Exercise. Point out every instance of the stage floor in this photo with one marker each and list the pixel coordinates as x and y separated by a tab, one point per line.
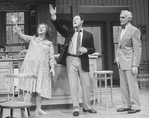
102	111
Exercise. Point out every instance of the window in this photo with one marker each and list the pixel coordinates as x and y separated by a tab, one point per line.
60	41
96	31
12	41
116	31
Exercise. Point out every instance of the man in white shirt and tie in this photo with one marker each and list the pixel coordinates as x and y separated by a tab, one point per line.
74	55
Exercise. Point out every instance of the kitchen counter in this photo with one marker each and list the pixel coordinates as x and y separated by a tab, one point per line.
94	56
60	83
9	52
11	60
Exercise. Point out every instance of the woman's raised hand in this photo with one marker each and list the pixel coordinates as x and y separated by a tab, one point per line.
14	19
16	28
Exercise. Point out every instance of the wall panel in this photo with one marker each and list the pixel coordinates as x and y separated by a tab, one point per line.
108	2
142	13
82	2
146	12
69	2
147	25
100	2
117	2
65	2
96	2
134	12
125	2
91	2
104	2
87	2
121	2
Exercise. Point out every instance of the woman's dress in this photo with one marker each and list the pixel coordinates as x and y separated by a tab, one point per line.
38	61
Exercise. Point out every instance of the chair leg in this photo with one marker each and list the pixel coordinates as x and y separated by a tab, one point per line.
111	91
1	113
22	112
11	113
95	84
100	91
106	91
28	111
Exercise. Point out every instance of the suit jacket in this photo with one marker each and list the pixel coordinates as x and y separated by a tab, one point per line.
129	49
87	42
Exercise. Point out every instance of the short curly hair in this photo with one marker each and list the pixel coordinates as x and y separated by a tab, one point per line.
48	31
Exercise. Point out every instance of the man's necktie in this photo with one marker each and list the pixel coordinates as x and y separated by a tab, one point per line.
78	42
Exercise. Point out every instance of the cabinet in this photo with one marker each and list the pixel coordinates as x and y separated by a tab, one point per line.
5	68
143	74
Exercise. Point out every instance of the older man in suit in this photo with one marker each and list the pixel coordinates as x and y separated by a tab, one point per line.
78	44
128	58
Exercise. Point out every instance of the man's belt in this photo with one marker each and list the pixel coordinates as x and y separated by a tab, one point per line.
73	55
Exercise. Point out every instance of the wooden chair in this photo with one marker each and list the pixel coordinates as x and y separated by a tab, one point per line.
15	96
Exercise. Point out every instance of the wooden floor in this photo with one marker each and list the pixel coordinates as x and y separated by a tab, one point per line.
102	111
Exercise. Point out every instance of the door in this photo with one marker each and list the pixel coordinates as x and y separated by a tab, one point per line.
97	29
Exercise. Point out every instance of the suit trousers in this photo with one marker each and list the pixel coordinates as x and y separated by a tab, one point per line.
129	89
76	75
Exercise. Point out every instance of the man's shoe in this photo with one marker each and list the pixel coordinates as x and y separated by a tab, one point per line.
123	109
90	111
76	113
134	111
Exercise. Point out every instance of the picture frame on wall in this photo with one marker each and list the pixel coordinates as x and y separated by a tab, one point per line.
143	32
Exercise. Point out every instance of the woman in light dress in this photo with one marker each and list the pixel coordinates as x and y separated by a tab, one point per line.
39	61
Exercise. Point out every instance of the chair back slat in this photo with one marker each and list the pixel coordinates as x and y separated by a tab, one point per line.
18	93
